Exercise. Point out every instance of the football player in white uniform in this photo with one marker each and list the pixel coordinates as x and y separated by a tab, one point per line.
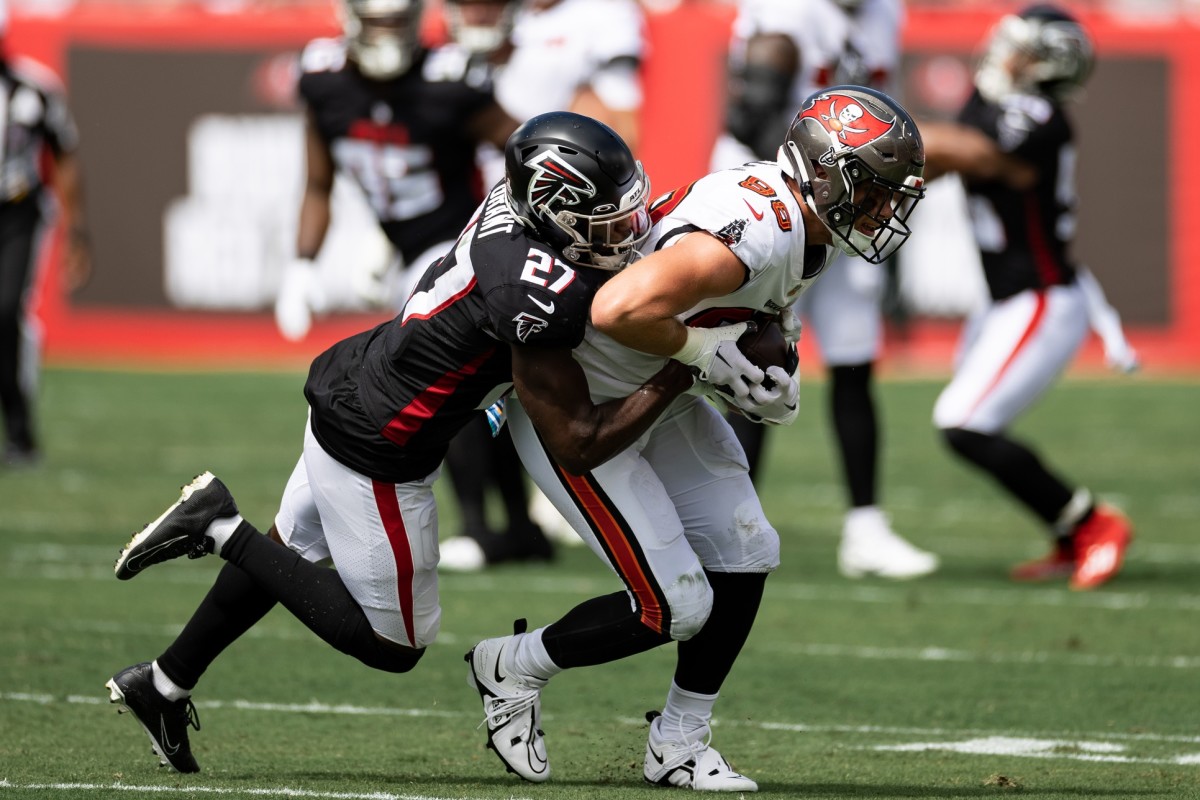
676	516
784	50
1014	147
546	55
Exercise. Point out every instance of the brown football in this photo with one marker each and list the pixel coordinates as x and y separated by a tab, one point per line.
766	346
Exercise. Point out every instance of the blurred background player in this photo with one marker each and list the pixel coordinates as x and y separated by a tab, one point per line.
34	119
1014	147
404	122
783	51
547	55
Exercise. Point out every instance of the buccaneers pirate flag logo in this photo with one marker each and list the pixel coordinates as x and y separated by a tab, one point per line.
846	120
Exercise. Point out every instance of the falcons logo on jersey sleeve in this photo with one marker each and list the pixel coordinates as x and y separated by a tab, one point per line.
555	183
528	325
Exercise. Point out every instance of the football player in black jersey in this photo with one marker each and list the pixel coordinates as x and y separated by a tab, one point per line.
404	123
1014	148
502	309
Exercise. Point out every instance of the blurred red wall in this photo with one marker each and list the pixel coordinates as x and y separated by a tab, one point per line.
683	76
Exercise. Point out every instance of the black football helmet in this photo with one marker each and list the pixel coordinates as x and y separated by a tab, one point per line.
1042	50
858	157
574	181
382	35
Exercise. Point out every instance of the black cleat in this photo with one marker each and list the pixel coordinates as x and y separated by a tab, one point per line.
179	531
165	721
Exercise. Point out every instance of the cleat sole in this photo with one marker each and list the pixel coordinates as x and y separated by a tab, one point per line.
199	482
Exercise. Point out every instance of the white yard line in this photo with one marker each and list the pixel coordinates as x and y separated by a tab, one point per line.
190	791
927	653
777	589
943	654
344	709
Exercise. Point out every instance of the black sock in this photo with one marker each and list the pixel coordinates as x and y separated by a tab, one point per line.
232	606
317	597
509	477
706	659
468	464
857	428
1017	469
598	631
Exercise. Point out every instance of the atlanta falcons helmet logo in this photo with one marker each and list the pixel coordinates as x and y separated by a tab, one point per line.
555	183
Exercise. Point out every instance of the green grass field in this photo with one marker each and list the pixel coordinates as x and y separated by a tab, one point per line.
962	685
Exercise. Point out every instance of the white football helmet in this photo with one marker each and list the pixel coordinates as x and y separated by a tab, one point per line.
382	35
480	26
1042	50
860	163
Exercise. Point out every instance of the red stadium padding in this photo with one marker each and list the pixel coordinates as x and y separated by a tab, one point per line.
684	83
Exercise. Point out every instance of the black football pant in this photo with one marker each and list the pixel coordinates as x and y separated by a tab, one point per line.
20	224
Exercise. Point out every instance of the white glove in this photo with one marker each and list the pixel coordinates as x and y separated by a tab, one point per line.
1106	323
779	405
789	323
300	294
714	355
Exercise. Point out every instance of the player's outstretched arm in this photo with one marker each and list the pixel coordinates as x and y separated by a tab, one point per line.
952	147
579	434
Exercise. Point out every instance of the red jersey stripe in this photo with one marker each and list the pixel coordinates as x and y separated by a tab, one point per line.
1035	320
616	541
1049	268
393	524
409	419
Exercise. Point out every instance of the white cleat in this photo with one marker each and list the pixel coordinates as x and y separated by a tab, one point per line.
689	764
869	546
512	708
461	554
546	516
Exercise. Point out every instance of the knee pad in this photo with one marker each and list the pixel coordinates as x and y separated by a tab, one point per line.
691	600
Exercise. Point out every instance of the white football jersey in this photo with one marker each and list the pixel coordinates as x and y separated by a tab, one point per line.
866	44
753	212
567	47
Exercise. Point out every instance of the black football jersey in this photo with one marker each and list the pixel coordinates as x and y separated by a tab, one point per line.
404	141
387	401
1025	236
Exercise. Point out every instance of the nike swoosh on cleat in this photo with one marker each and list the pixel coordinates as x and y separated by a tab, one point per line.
133	563
496	669
657	756
168	748
757	214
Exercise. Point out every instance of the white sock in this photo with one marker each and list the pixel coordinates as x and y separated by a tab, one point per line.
686	713
167	687
1079	504
863	515
219	530
531	660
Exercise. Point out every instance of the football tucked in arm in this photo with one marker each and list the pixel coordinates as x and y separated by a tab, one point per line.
765	346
